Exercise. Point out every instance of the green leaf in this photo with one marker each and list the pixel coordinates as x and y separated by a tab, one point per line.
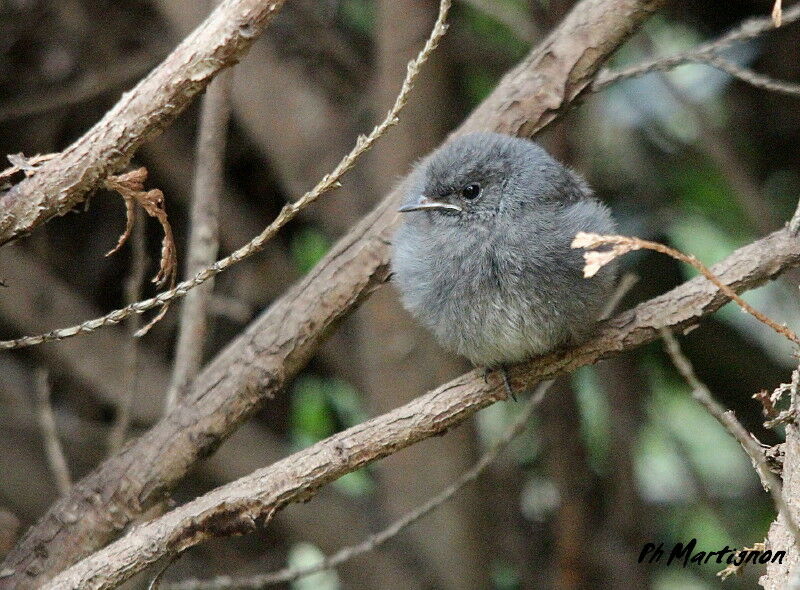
311	417
307	247
358	14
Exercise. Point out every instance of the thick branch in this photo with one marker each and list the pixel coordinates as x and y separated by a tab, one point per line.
233	508
64	181
277	344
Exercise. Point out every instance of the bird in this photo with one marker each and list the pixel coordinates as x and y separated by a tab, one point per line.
483	255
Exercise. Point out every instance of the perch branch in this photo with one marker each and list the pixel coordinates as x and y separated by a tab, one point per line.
233	508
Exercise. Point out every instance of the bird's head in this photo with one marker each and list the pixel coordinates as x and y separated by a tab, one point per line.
476	178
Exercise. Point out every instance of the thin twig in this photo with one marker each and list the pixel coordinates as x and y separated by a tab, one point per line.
134	285
204	236
607	78
287	213
47	425
728	420
624	244
155	583
708	53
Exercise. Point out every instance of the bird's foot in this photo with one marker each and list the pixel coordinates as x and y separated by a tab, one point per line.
504	374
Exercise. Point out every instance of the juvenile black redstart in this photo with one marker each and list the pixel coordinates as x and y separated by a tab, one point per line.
483	256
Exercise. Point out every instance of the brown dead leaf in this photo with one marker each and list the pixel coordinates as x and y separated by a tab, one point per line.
131	187
597	259
777	13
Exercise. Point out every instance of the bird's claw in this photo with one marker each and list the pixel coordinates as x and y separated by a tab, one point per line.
504	374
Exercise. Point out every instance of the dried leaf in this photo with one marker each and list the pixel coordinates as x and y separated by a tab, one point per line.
131	186
130	219
586	240
777	13
595	261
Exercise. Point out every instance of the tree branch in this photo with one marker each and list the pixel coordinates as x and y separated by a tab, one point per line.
64	181
49	430
259	363
369	544
204	236
234	508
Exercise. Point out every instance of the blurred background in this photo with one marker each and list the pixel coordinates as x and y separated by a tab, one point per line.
617	456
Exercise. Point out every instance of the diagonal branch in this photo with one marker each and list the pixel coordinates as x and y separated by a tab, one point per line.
234	508
259	363
64	180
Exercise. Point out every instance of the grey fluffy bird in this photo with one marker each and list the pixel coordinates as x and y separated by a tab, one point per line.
483	256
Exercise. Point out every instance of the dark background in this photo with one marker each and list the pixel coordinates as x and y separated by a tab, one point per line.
619	454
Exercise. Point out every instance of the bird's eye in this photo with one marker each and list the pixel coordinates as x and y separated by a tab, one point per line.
471	191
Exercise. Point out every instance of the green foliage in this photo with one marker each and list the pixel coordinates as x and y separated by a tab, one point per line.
318	407
308	246
504	576
680	579
682	442
493	32
311	417
701	189
477	81
358	14
304	555
595	412
495	420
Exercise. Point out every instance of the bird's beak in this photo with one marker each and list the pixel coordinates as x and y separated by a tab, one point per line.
424	203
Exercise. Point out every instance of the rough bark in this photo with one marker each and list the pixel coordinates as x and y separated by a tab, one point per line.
258	363
342	524
64	181
234	508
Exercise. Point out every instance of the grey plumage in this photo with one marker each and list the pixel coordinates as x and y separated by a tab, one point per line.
493	275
